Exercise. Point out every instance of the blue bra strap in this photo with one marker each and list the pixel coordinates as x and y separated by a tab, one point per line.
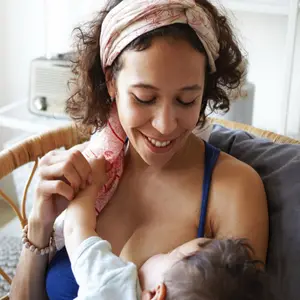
211	157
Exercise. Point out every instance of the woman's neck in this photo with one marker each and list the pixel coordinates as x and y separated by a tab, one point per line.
183	158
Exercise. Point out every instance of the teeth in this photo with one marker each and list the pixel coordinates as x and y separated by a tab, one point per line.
158	143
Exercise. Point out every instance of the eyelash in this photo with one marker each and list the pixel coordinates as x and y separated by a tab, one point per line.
152	100
148	102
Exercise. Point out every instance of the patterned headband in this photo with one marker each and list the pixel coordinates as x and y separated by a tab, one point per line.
133	18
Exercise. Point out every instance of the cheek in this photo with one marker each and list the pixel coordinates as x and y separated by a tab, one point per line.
190	117
130	114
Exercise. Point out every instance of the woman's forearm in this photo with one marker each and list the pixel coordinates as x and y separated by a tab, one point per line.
29	281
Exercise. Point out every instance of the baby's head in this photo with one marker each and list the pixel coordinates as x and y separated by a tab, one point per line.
204	269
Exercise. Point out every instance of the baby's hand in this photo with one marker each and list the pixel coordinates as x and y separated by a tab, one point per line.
87	197
99	176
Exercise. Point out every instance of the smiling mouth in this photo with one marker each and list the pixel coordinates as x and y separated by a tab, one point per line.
158	144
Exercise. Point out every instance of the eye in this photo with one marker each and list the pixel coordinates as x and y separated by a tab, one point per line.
143	101
186	103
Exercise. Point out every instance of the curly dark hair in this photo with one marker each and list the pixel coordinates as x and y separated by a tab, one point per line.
90	103
221	269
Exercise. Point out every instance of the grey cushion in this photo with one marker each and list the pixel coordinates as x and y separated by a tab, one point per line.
279	167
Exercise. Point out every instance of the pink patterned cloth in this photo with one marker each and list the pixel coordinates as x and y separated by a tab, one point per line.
123	24
109	143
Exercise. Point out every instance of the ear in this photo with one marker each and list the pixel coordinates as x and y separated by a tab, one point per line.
160	292
146	295
110	83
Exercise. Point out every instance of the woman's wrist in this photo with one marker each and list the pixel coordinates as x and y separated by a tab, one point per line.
39	233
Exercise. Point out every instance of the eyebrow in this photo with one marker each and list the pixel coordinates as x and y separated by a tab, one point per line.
194	87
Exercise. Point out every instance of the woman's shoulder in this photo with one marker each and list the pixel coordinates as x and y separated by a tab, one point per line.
238	203
236	181
229	169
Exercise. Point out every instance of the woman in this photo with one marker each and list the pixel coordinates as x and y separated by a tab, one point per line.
162	62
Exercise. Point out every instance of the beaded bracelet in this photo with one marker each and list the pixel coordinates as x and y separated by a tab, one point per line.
28	245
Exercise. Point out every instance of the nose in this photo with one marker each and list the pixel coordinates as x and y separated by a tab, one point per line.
165	121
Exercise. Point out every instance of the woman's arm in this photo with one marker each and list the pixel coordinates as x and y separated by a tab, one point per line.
29	282
241	208
61	174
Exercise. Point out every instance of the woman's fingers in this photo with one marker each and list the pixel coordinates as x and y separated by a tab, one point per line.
53	157
72	166
82	167
63	171
47	188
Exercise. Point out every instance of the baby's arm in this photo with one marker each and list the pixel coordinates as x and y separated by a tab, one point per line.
99	273
80	218
102	275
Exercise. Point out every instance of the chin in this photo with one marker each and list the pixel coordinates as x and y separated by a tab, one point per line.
157	162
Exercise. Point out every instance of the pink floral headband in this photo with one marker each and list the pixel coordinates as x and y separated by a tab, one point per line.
133	18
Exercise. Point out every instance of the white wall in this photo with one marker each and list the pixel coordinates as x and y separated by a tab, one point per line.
22	30
62	21
23	37
263	36
2	38
294	112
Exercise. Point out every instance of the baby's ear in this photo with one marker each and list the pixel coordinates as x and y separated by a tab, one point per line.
146	295
159	293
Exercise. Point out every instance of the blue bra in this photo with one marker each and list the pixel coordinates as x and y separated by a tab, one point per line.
60	281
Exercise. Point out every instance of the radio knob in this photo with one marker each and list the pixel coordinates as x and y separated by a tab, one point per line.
40	103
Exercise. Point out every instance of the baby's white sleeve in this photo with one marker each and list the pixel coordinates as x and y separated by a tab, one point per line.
102	275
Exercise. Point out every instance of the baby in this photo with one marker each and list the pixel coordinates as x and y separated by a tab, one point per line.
200	269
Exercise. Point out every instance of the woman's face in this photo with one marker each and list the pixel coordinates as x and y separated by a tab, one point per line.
159	93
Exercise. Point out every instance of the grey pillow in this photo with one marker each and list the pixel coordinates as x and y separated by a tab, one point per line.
279	167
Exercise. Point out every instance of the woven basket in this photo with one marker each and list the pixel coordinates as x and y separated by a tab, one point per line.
31	149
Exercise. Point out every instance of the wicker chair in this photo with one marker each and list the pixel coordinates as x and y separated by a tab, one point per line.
30	150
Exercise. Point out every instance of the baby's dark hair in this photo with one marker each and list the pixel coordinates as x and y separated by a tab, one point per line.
220	270
90	103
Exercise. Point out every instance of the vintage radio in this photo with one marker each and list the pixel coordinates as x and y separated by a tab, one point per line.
49	85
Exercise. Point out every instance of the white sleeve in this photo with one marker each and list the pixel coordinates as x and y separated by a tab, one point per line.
102	275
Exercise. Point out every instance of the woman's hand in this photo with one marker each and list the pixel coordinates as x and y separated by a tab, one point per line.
62	174
87	196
